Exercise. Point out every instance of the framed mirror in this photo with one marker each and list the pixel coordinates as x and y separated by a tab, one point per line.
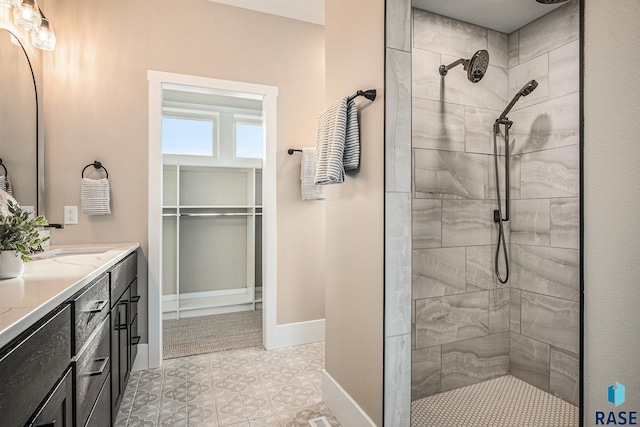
19	131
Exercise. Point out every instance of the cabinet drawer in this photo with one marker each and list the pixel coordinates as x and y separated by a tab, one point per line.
92	368
122	275
32	365
89	310
101	413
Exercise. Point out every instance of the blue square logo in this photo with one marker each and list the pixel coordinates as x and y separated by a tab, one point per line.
616	394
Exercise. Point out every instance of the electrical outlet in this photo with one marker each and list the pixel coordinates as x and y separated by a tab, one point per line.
70	214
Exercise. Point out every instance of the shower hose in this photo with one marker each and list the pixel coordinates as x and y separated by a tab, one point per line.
502	245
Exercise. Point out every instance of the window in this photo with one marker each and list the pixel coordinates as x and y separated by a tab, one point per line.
248	138
187	136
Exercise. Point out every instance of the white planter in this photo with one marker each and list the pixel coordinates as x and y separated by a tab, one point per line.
11	266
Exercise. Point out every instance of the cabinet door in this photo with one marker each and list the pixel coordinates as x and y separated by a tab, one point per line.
119	350
57	410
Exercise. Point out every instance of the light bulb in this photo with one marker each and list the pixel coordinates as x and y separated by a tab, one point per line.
27	15
43	37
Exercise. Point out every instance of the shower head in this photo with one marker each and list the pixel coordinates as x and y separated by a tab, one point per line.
476	67
526	90
551	1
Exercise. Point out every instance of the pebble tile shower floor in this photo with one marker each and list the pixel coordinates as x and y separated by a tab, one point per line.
503	402
250	387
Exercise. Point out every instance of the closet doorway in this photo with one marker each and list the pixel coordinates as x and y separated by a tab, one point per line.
213	215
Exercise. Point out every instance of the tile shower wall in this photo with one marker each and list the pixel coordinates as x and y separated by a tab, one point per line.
466	326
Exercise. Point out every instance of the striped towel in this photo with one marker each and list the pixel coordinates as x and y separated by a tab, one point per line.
337	142
95	196
309	190
5	184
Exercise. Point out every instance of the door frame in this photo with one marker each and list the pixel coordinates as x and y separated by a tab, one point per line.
269	243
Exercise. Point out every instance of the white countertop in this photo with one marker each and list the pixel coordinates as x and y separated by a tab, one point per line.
48	282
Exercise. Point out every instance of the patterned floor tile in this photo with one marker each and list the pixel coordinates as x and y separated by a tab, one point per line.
238	388
502	402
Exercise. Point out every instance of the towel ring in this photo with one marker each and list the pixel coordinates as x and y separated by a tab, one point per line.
4	167
96	164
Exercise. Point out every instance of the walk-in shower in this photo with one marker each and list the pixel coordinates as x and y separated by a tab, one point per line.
497	214
476	67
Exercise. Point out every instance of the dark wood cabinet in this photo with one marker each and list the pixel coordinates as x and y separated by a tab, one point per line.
124	333
57	410
32	365
71	368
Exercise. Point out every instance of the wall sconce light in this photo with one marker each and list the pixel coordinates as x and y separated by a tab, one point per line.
27	15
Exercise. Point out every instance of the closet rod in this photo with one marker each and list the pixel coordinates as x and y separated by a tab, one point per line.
218	214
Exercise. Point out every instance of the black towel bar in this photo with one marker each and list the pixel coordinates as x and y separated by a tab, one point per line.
96	164
369	94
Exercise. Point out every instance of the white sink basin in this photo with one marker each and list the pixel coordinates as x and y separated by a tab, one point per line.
80	250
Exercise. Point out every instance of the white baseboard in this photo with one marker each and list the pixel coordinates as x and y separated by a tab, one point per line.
291	334
141	361
341	405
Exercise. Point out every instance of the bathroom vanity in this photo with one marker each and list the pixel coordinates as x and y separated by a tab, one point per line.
68	336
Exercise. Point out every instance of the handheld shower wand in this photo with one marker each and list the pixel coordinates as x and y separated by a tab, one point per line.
497	214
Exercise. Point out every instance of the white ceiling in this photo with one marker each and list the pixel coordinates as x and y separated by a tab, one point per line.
505	16
302	10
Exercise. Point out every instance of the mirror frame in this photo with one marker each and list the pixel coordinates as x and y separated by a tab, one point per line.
39	172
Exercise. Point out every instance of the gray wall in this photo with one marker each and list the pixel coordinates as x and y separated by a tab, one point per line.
462	314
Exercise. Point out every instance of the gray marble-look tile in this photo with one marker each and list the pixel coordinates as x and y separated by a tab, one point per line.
425	372
529	360
449	175
490	93
498	48
555	29
545	270
564	381
426	81
438	272
479	272
398	25
551	124
551	320
437	125
451	318
398	380
440	34
564	70
565	223
478	124
499	309
467	222
475	360
514	49
550	173
530	222
514	310
426	223
398	263
398	121
536	68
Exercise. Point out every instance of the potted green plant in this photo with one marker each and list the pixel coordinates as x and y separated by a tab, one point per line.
18	237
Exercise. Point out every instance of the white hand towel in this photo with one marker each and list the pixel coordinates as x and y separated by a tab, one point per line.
309	190
330	140
5	184
351	158
95	196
